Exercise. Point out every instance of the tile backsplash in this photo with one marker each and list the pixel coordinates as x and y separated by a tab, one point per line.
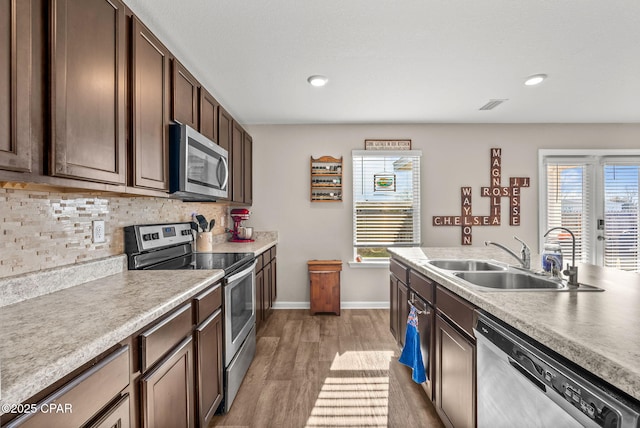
46	229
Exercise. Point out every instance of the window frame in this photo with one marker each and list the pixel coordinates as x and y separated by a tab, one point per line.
416	201
594	159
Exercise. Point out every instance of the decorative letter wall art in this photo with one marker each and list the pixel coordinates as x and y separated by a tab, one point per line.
496	192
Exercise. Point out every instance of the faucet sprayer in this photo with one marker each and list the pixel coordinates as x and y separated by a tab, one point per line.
571	271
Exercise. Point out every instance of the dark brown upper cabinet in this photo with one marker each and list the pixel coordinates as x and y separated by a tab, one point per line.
87	75
185	96
150	85
237	163
15	85
247	169
225	131
208	115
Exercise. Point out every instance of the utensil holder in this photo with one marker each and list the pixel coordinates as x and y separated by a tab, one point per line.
204	242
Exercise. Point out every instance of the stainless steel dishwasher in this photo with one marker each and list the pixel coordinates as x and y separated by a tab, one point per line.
520	385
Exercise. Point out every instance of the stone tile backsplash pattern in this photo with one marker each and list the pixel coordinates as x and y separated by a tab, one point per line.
46	229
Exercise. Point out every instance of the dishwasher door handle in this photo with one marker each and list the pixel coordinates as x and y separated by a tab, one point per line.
526	374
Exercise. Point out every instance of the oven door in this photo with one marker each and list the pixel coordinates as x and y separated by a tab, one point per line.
240	310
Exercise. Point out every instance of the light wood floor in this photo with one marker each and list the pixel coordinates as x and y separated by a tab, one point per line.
327	371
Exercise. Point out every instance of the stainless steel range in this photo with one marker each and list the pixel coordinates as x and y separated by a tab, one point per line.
169	247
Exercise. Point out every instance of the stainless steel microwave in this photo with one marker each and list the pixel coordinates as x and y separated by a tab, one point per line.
199	168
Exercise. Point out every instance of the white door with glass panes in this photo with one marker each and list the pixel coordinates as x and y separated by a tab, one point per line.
595	195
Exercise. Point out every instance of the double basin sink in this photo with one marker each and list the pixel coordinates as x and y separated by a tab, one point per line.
494	276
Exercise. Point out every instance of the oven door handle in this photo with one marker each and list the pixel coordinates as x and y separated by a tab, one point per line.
239	275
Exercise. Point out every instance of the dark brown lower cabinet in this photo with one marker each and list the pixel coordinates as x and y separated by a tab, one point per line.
167	390
393	305
84	397
455	376
266	285
403	311
399	308
260	312
117	417
209	369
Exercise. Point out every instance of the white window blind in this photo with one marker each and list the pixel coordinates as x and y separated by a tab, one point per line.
569	192
386	200
621	214
596	196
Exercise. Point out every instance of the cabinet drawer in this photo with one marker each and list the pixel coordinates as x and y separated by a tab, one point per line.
422	285
205	303
456	309
159	339
84	396
259	262
399	270
272	252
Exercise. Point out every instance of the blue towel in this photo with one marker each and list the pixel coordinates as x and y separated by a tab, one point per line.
411	353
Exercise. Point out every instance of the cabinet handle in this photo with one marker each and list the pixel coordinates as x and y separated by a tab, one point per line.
420	312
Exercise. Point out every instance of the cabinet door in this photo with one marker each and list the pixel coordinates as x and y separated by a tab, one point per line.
185	96
259	298
150	109
266	297
426	321
167	390
237	163
88	90
403	311
247	168
455	376
15	85
325	292
225	131
117	417
208	115
393	305
209	367
274	282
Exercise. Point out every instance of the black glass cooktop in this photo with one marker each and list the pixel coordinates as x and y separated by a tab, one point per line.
229	262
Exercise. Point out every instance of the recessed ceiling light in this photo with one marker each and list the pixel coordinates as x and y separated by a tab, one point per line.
317	80
536	79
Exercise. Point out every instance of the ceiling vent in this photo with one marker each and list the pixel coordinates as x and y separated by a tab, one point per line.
492	104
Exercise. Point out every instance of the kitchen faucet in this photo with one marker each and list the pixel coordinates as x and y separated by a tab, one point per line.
571	271
525	252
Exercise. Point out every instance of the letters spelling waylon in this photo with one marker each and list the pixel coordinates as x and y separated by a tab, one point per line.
495	193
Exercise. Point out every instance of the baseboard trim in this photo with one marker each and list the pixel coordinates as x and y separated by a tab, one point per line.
343	305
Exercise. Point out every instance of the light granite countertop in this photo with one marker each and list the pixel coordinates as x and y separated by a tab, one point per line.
44	338
262	242
599	331
56	320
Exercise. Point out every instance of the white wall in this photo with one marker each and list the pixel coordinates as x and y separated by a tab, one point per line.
453	156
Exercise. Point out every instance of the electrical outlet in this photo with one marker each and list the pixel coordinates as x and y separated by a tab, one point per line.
98	231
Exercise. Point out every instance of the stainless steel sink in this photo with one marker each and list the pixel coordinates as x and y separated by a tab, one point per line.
465	265
517	281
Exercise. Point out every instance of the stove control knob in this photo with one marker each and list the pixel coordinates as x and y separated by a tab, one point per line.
155	236
146	237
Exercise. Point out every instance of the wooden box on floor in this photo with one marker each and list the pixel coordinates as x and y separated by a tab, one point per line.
324	279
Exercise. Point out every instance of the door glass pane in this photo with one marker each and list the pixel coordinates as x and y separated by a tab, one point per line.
621	216
568	205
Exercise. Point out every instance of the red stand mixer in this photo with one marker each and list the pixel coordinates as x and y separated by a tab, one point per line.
239	233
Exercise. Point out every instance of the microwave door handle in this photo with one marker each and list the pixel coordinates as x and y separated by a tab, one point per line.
226	172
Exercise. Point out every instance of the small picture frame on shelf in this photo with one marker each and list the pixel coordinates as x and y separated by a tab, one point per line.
387	144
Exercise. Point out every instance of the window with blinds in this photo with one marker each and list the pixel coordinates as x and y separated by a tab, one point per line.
569	194
386	201
621	215
596	196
